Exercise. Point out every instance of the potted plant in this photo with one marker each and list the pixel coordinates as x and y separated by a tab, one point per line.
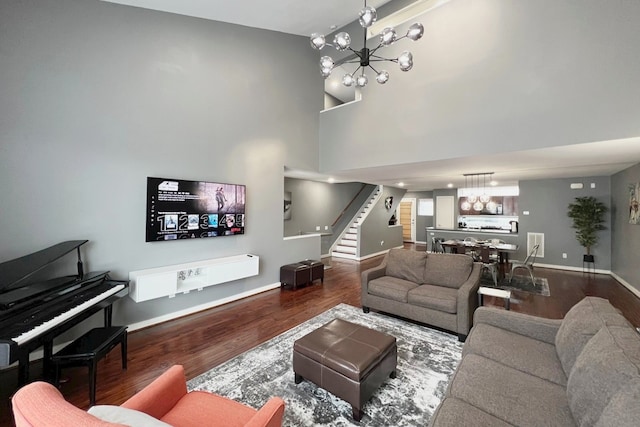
587	214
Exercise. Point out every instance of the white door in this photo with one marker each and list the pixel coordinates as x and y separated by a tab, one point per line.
408	219
445	213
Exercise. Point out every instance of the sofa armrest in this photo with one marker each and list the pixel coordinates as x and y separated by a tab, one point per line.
371	274
161	395
468	299
530	326
270	415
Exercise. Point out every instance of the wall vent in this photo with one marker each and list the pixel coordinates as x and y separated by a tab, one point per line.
535	239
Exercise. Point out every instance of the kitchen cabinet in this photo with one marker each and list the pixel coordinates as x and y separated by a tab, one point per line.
445	212
504	205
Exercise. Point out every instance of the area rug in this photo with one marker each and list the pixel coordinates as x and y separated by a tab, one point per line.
519	283
426	360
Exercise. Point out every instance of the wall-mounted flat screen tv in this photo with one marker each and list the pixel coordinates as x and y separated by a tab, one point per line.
181	209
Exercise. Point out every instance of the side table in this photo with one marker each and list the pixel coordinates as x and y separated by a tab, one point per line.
495	292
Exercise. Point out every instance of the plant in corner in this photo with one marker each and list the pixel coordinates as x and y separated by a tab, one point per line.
587	214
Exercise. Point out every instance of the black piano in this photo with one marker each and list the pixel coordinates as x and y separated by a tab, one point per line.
33	312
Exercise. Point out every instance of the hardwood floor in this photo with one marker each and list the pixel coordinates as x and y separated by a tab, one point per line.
206	339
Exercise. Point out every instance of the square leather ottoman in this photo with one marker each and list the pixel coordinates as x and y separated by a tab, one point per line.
349	360
295	274
317	269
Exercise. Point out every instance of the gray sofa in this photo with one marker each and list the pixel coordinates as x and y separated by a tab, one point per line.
521	370
437	289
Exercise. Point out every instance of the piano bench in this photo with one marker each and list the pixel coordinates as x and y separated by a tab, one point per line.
88	350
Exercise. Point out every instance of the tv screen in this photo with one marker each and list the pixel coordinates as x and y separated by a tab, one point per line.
181	209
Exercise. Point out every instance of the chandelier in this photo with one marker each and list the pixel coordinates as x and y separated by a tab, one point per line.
477	197
365	56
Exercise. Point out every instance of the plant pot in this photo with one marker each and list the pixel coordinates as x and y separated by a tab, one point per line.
588	258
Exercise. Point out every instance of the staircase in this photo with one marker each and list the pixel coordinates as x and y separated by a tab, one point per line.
347	245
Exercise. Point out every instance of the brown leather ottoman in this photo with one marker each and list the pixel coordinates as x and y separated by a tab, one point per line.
348	360
295	274
317	269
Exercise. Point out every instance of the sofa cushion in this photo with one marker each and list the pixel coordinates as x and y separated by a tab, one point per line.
436	297
450	270
454	412
623	409
406	264
516	351
581	323
609	361
391	288
509	394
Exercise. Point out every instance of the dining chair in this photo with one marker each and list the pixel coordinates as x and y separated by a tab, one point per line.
461	248
489	262
526	264
436	245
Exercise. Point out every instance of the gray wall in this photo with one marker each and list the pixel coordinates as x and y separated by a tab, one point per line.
95	97
376	234
493	74
547	202
422	222
316	204
625	238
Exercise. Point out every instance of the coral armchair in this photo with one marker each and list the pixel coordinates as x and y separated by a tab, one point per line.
166	399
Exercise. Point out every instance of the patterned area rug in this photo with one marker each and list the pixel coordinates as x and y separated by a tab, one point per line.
426	360
519	283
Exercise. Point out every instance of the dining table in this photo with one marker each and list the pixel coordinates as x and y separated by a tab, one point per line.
503	249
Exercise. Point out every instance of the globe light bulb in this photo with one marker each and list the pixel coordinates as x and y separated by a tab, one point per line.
342	41
388	36
405	61
465	206
477	206
415	32
348	80
368	16
326	62
325	72
317	41
362	80
382	77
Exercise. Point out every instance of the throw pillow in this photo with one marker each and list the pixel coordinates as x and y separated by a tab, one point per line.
406	264
130	417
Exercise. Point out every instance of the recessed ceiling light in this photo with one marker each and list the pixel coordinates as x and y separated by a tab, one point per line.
333	27
401	184
493	183
450	185
331	180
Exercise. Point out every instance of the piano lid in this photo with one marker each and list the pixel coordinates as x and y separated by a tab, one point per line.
14	271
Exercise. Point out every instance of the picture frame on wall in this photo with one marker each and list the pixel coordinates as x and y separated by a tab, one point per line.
634	203
287	205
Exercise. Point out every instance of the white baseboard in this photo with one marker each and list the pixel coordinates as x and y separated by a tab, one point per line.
626	284
569	268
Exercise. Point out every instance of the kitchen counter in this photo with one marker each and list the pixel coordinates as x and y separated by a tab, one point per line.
472	230
461	233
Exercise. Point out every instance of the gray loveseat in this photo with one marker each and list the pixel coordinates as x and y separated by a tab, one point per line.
437	289
521	370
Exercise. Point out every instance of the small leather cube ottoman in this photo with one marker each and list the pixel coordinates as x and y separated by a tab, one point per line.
295	274
351	361
317	269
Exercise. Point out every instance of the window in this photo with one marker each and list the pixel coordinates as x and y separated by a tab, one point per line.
425	207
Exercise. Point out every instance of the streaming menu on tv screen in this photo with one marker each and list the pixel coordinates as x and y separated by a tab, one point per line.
180	209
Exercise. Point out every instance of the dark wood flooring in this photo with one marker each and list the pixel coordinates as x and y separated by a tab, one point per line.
206	339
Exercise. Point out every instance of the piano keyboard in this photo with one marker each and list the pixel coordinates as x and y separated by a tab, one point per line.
62	317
